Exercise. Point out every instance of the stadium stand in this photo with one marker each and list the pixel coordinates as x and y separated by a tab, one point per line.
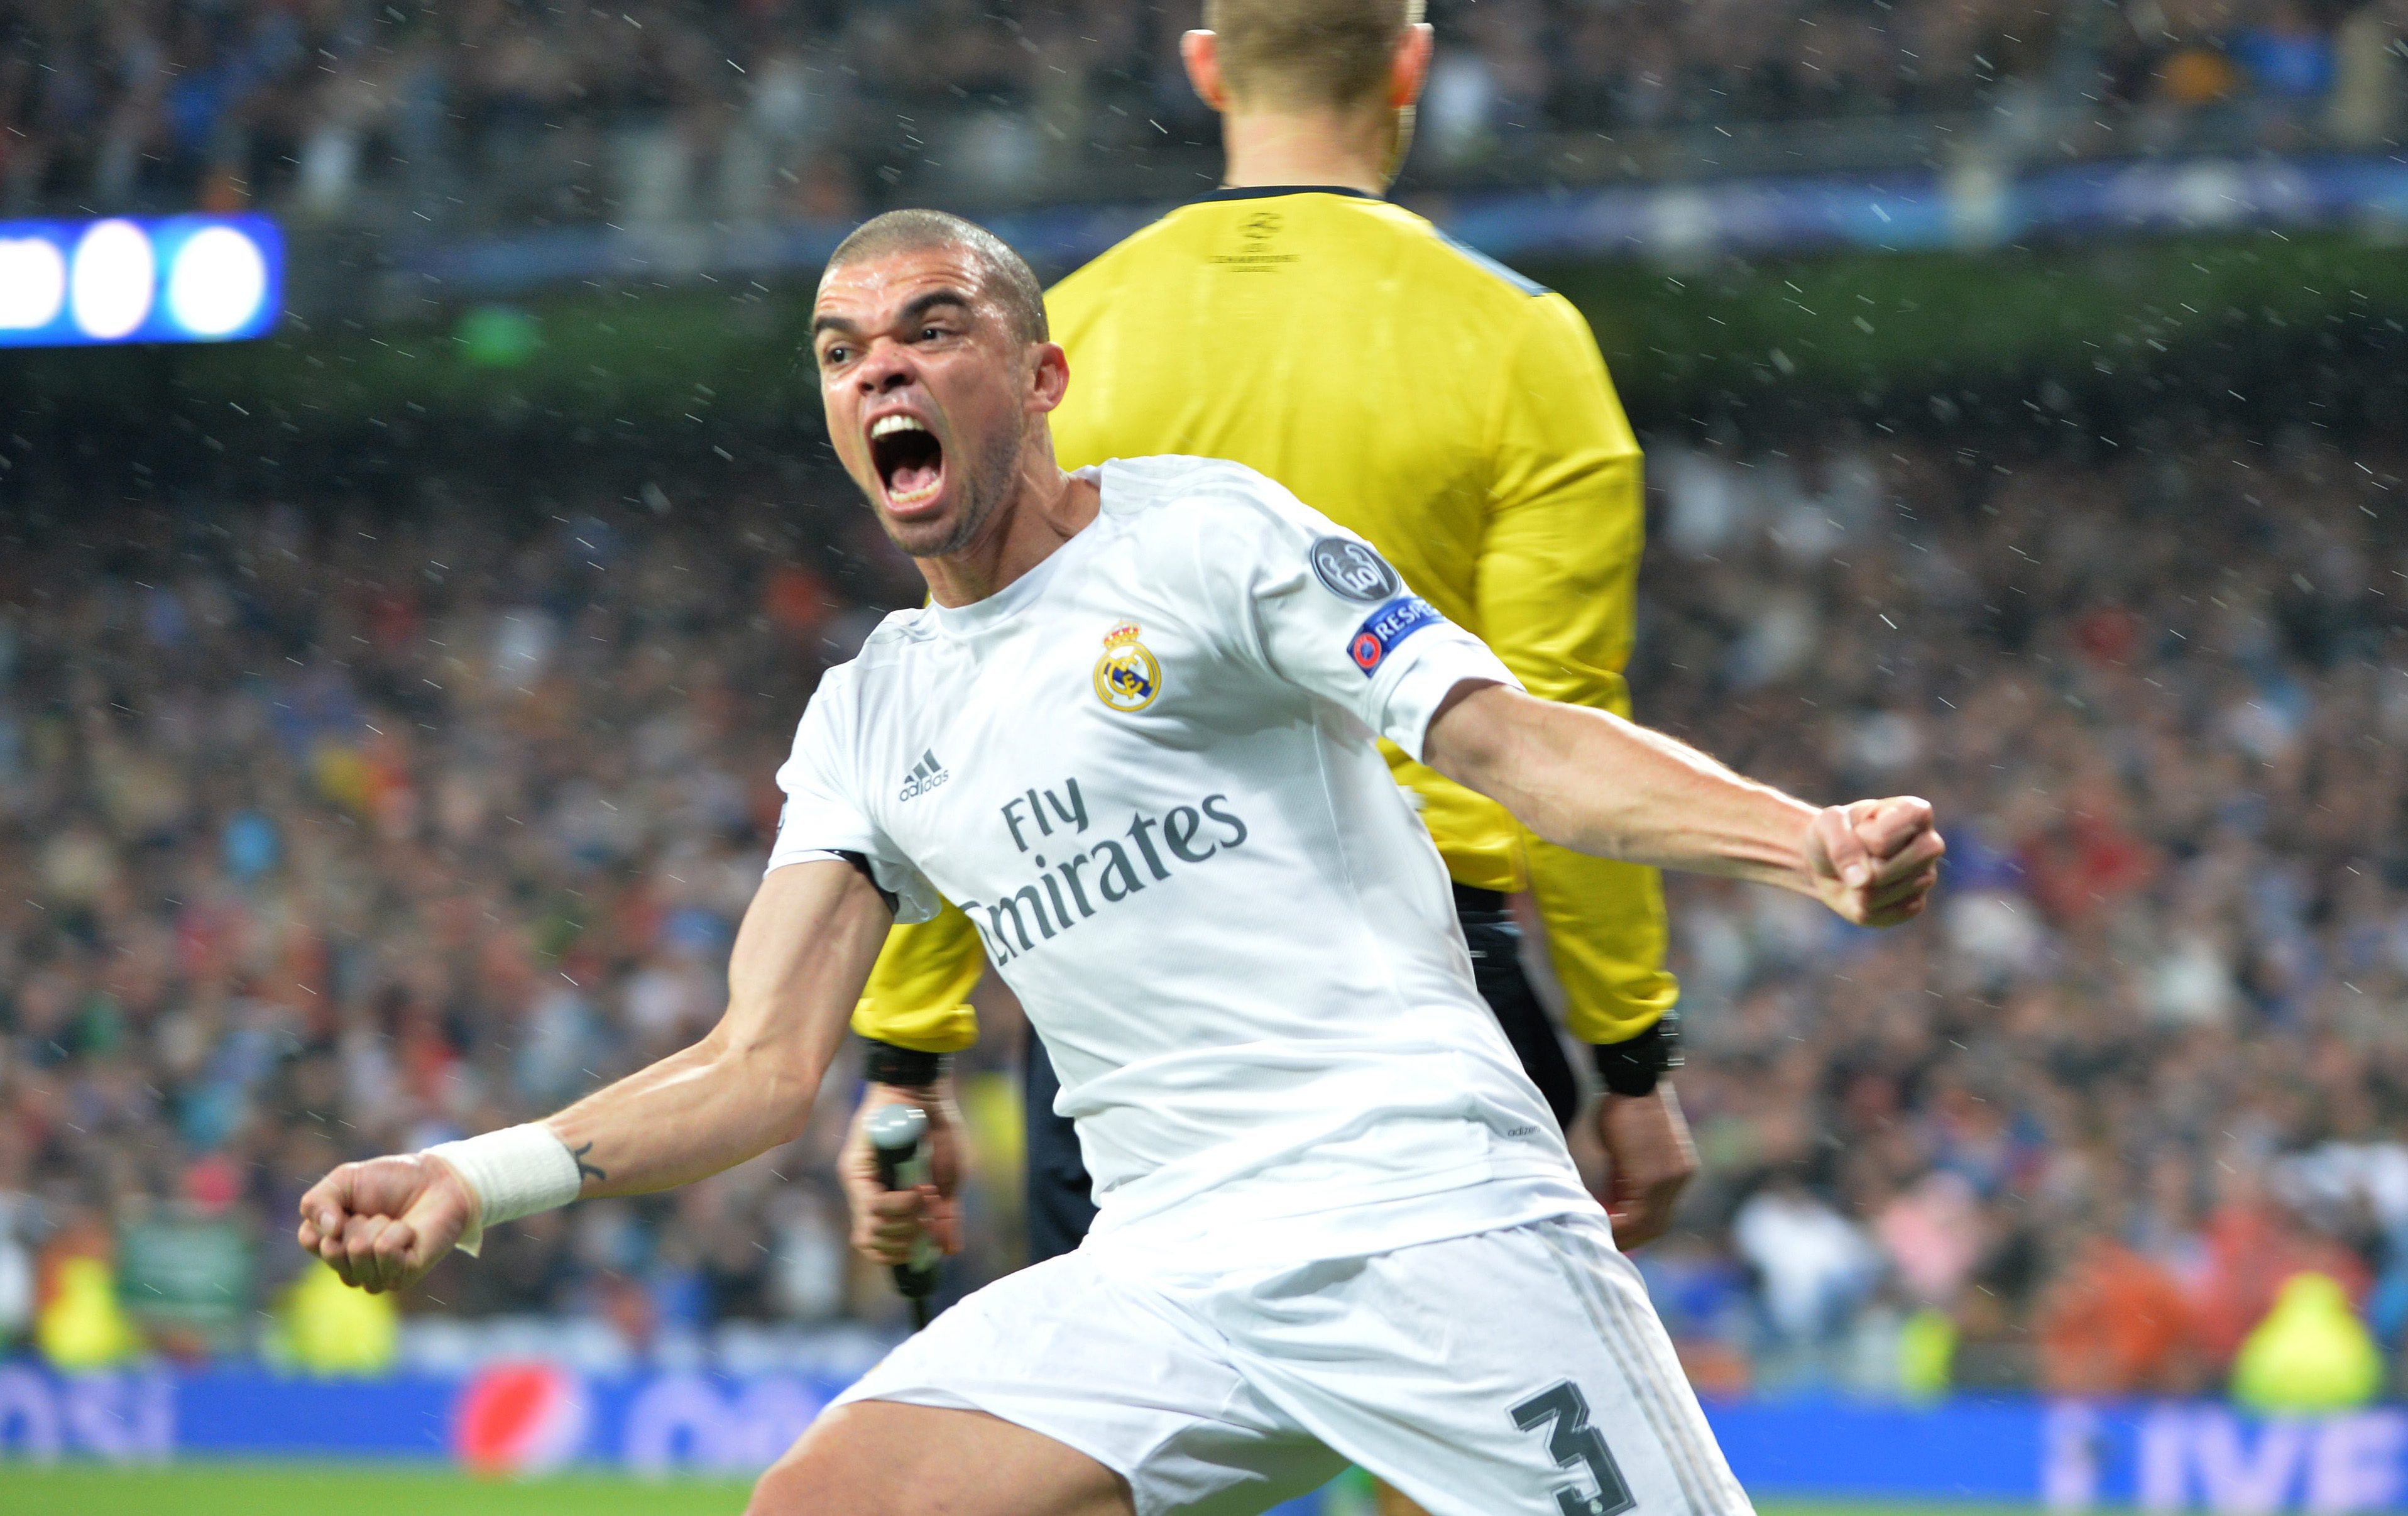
348	819
494	113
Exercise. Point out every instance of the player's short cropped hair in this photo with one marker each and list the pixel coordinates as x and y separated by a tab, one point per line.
1007	274
1325	53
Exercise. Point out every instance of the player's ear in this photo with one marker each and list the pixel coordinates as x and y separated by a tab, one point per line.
1409	70
1050	377
1200	50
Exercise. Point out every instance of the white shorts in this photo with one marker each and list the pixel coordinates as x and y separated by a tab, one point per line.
1518	1371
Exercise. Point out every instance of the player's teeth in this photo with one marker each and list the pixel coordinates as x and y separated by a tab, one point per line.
886	425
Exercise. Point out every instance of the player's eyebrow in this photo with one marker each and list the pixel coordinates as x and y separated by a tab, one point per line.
920	304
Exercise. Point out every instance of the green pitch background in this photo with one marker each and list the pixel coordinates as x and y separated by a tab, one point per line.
273	1489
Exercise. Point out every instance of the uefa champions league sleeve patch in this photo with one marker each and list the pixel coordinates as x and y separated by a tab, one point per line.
1350	570
1391	624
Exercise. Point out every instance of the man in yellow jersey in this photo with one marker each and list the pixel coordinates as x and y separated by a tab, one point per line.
1457	415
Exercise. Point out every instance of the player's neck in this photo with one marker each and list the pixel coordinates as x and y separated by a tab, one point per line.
1046	508
1269	149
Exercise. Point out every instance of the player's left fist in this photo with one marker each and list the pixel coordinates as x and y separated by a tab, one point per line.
383	1224
1875	861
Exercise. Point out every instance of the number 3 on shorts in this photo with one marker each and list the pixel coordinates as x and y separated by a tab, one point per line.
1571	1442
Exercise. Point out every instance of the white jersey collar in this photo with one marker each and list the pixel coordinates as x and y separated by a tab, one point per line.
983	615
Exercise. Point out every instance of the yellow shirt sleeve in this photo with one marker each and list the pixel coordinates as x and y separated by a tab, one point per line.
919	994
1557	592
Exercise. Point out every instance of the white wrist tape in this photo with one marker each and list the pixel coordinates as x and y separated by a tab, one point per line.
515	1172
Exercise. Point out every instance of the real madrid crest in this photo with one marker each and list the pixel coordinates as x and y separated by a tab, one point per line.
1127	678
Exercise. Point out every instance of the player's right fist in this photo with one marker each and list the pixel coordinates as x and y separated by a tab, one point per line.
384	1224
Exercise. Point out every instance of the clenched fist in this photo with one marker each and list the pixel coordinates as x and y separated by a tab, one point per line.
1875	861
383	1224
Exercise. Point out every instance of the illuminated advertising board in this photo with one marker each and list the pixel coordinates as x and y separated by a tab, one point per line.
125	278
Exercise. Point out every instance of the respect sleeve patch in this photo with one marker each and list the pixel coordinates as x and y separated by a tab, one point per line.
1386	626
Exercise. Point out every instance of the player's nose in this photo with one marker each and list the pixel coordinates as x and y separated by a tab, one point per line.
887	369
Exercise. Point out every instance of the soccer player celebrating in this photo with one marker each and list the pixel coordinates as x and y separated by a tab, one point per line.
1457	416
1335	1220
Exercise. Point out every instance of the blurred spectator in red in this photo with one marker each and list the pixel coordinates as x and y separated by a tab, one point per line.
2254	1244
2081	866
2115	1323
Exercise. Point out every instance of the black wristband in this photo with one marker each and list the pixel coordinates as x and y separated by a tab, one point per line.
905	1068
1632	1066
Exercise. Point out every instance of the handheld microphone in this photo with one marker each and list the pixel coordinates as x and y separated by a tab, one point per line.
896	1135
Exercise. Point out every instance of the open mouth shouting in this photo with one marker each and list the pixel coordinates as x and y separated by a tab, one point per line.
910	460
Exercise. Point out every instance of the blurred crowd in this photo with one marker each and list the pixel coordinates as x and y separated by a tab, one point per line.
348	823
331	827
660	109
2148	1063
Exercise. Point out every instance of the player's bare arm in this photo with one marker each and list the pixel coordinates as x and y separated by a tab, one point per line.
800	959
1591	781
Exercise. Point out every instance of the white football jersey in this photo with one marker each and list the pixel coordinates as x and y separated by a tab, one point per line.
1146	770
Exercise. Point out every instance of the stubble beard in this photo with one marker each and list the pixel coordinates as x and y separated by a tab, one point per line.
986	485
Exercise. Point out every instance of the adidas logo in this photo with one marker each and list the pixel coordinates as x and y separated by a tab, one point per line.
925	775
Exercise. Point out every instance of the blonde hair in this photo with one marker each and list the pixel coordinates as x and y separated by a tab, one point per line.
1307	54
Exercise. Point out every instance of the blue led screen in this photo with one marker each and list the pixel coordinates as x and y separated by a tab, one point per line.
126	279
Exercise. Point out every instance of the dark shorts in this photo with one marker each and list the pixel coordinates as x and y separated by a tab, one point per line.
1059	1206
